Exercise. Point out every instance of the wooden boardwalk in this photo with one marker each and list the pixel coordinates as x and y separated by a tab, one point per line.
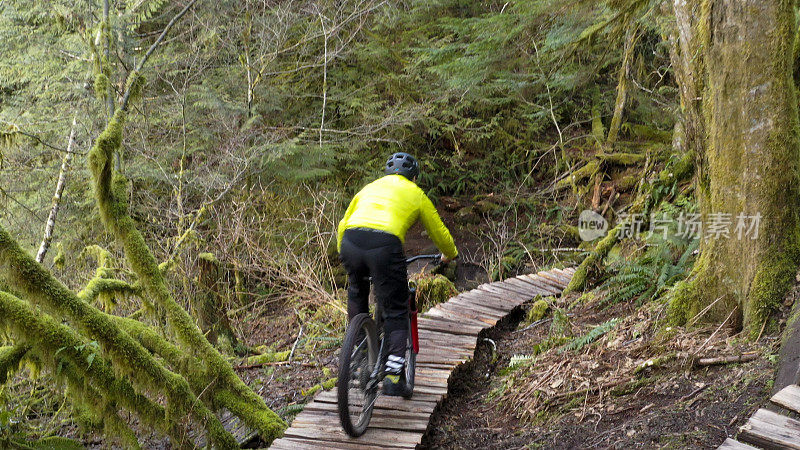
768	429
448	336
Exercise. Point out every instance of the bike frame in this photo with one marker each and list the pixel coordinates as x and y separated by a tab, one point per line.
379	372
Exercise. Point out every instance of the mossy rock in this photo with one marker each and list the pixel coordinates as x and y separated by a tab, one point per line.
538	311
491	198
467	215
649	133
626	183
487	207
432	290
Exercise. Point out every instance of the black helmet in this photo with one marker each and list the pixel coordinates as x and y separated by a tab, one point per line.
402	164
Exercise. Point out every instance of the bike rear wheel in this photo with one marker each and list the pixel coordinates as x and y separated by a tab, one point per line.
356	395
411	363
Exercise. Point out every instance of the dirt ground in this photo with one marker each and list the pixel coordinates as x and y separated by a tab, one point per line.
695	408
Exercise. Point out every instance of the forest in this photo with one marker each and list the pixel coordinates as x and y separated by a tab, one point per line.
173	172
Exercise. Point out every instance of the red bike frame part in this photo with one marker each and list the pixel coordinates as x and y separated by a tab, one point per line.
412	311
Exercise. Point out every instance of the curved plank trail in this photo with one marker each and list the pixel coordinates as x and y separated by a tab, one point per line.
448	336
768	429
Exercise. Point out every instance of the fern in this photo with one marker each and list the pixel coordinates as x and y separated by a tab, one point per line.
580	342
520	360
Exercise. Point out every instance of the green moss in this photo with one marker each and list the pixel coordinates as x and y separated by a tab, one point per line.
578	281
267	358
56	443
598	130
311	391
772	280
467	215
26	276
486	207
432	290
587	171
135	85
10	359
208	257
537	312
268	424
329	384
59	259
101	85
64	352
325	385
621	159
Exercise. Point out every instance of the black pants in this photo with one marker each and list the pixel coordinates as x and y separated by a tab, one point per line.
380	255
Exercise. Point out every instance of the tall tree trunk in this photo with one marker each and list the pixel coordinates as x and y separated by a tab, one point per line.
622	85
209	308
748	165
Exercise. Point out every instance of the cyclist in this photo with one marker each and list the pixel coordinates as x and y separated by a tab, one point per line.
370	242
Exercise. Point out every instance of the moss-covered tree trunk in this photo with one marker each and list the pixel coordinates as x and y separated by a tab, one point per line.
209	308
741	51
622	86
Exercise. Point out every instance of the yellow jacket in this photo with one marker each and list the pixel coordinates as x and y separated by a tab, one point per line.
392	204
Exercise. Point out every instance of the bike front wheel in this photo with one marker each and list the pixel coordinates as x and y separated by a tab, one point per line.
359	357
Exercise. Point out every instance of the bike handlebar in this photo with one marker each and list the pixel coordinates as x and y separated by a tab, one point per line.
432	256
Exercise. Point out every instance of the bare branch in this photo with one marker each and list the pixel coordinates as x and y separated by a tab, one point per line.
62	181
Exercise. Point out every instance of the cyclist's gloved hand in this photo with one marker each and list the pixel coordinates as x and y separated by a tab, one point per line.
446	267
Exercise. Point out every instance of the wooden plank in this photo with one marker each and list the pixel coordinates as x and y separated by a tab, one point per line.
448	366
500	297
452	340
441	313
547	278
526	292
533	289
439	358
503	293
420	403
788	397
308	444
543	282
373	436
333	408
485	312
731	444
463	312
328	418
489	300
468	313
548	289
566	276
443	326
558	276
771	430
478	304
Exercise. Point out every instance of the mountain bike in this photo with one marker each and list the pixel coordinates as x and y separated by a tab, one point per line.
362	362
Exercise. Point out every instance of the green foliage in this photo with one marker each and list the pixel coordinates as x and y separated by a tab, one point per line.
561	324
432	290
594	334
649	275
